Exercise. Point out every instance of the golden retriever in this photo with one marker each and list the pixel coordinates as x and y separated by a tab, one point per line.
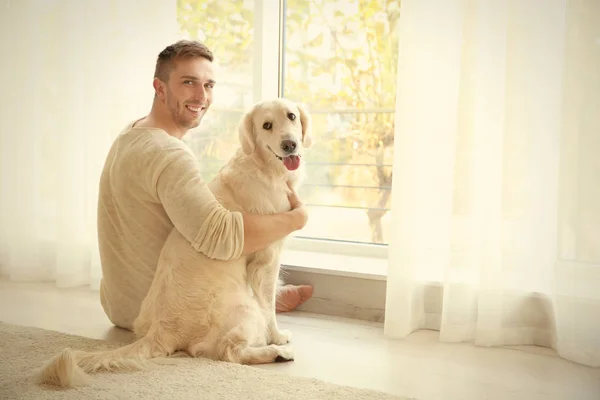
222	310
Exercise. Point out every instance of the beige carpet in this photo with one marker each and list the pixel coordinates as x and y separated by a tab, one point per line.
24	349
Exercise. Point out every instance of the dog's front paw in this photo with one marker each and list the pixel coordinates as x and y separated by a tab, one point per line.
281	337
285	354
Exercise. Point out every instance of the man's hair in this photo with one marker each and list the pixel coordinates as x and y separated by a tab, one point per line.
179	50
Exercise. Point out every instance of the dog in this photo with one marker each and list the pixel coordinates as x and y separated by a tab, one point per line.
220	310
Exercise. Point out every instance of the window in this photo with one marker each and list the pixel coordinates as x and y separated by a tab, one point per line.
227	29
339	58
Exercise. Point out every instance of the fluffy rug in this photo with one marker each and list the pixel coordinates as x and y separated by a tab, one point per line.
23	350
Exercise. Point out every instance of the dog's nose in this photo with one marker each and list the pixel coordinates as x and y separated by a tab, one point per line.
288	145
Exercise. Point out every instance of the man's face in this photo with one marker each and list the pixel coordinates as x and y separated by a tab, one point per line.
189	92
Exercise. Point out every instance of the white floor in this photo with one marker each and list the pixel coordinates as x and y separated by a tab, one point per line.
348	352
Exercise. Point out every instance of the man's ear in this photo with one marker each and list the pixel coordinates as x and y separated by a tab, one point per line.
306	121
159	88
246	134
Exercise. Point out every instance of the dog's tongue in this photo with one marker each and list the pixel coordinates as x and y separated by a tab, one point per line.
291	162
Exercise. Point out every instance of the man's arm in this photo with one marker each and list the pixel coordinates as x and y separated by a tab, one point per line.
206	224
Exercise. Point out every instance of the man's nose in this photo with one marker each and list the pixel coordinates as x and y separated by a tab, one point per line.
202	93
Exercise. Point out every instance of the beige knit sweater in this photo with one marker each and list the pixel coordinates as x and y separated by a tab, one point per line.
150	183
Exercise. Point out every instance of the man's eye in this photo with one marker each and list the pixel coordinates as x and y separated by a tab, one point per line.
188	82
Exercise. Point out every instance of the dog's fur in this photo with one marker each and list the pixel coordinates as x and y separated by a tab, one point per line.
222	310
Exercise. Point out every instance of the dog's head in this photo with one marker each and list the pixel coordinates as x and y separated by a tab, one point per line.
277	129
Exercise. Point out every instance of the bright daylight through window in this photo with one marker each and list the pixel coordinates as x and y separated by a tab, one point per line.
339	58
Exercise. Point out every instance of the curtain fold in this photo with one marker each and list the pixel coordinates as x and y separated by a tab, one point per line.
74	74
493	211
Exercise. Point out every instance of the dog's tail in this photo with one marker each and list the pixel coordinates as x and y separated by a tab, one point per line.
69	368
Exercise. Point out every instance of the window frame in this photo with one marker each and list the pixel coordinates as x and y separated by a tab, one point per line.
269	56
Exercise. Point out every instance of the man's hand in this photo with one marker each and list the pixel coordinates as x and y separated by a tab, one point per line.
300	214
262	230
293	197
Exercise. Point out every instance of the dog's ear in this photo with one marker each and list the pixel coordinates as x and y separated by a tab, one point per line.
306	121
246	134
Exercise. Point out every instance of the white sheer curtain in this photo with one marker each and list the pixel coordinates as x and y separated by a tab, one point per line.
495	234
73	74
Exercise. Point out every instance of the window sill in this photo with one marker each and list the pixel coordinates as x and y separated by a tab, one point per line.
373	268
349	286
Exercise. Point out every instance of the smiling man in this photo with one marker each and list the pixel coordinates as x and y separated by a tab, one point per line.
151	182
183	84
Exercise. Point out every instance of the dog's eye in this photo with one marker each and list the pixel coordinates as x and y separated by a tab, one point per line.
267	125
292	116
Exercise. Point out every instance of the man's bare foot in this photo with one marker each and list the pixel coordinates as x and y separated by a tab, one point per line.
291	296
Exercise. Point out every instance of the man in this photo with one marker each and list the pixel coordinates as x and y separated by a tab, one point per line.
151	182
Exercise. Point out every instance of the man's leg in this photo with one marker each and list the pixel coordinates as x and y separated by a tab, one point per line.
121	317
291	296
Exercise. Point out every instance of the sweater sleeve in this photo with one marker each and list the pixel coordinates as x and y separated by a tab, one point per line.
202	220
